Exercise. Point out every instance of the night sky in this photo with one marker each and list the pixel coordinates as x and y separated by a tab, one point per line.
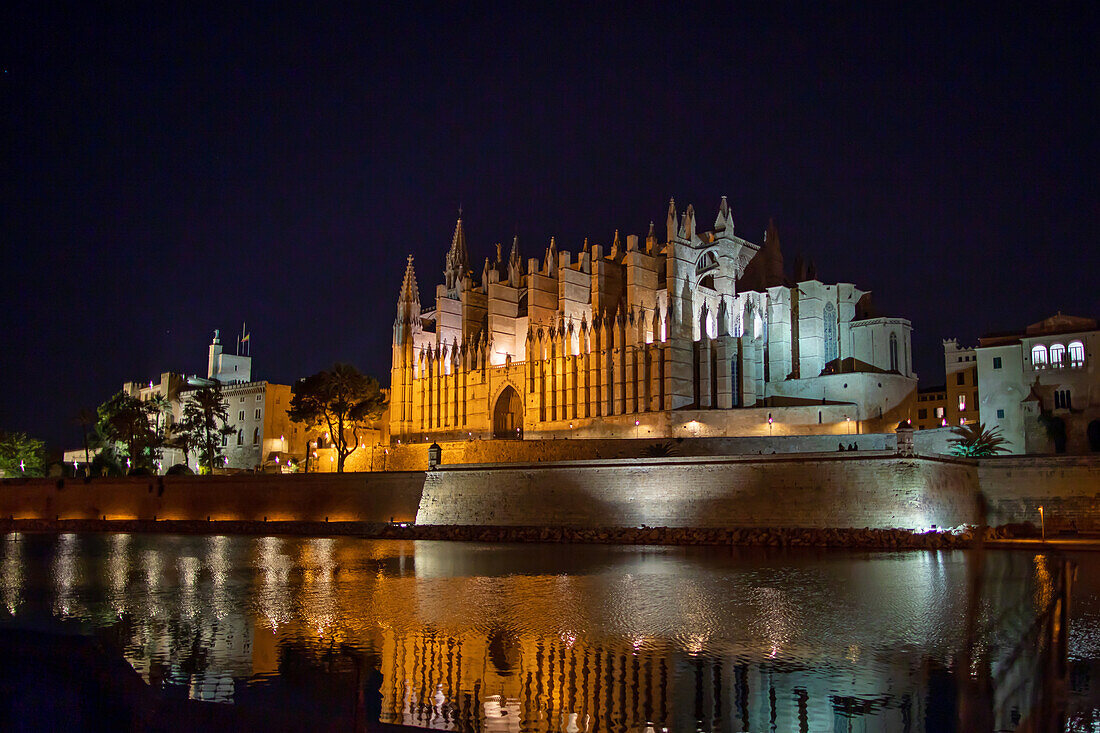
167	172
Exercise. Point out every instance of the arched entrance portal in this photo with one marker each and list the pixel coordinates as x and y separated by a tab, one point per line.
508	415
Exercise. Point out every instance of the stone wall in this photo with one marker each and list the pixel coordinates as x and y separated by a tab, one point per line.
839	491
1067	487
373	497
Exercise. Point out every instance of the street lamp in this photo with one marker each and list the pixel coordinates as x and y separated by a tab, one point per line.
847	425
769	424
1042	524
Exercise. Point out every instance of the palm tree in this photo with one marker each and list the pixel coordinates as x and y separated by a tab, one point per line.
86	418
974	441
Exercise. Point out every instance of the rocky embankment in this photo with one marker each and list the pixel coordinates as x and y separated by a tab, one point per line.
892	539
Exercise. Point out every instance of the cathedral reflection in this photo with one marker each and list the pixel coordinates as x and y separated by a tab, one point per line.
470	637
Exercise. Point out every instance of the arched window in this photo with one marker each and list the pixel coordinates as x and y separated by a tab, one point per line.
240	437
1076	354
893	351
256	436
1057	355
828	314
1039	356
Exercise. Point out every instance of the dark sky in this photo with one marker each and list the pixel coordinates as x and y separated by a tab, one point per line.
167	171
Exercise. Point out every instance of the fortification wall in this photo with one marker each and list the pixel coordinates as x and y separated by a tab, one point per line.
834	491
1067	487
363	497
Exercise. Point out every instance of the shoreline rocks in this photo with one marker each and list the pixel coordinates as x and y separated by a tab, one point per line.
852	538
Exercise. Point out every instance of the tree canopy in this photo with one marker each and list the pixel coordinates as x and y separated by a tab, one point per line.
342	400
21	455
202	424
974	441
129	429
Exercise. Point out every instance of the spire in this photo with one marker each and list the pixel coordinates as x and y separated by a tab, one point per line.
408	306
616	245
724	222
458	258
410	294
687	224
515	264
670	223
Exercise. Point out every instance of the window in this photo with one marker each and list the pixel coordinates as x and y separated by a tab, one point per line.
259	397
960	378
240	416
1057	355
939	412
893	351
1062	400
256	436
828	314
1039	356
240	437
1000	414
974	402
1076	354
242	398
922	414
259	411
962	403
996	362
225	440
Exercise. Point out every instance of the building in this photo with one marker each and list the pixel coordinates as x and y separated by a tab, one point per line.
701	334
931	408
1041	386
263	436
961	369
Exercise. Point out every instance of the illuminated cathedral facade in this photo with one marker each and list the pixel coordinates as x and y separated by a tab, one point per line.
701	334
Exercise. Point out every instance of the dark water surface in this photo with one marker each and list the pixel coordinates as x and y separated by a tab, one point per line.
555	637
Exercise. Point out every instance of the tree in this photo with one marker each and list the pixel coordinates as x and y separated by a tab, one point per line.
340	399
21	455
974	441
85	418
128	430
204	421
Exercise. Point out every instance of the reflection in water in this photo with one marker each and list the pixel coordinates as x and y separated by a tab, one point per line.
521	638
11	572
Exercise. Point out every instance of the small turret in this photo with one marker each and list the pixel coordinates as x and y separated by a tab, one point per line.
408	305
670	222
687	224
724	223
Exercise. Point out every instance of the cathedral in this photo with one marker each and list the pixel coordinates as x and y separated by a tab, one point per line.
701	334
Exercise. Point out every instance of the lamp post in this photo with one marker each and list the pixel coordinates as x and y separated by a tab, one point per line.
1042	524
769	424
847	425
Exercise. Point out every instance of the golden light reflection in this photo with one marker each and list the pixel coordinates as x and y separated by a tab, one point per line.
11	573
118	572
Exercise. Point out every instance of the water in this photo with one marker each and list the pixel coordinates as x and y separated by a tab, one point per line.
549	637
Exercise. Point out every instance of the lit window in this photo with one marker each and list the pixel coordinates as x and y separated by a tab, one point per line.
939	412
1000	413
1057	355
962	403
1038	356
1076	354
996	362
